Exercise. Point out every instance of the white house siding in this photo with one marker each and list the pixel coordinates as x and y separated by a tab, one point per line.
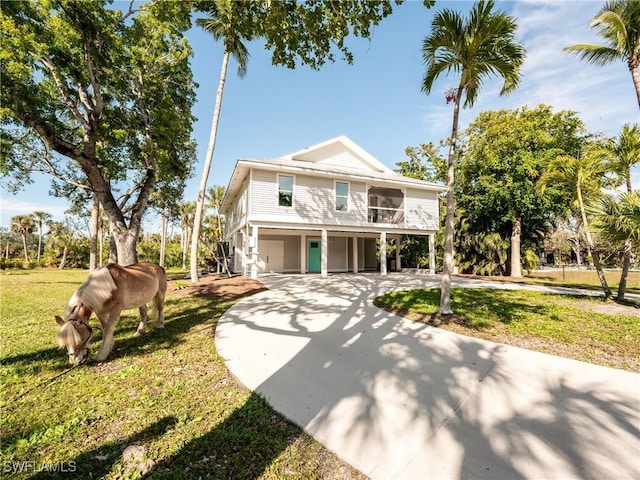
238	210
421	209
313	200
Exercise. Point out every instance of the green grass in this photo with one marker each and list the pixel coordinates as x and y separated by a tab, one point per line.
578	278
575	327
167	391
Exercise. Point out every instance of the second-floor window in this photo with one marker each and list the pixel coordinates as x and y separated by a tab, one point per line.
342	196
285	190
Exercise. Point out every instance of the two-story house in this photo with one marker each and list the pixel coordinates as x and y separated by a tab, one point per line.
331	207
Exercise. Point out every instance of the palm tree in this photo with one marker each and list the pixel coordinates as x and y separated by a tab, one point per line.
618	23
618	220
222	25
584	176
215	196
40	218
622	153
476	48
23	225
187	213
60	236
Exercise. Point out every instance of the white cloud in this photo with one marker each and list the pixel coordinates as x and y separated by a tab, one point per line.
10	207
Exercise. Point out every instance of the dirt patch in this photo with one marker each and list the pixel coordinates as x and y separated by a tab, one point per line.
220	286
608	308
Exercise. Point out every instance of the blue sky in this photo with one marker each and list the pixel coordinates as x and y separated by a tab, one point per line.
377	101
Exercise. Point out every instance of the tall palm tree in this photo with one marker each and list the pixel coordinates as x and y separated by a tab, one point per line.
621	154
618	23
618	220
478	47
222	24
23	225
584	176
40	218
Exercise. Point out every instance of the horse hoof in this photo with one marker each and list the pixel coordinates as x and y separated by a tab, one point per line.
160	326
138	333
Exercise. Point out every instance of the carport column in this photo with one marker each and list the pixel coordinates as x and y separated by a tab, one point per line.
432	254
323	254
254	251
355	254
303	253
397	254
383	253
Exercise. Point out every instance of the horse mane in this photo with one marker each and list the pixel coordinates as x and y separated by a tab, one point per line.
68	336
94	292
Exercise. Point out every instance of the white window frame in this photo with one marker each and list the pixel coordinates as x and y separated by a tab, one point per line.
335	195
293	188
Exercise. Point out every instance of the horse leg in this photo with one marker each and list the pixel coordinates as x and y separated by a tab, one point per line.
108	323
142	327
159	301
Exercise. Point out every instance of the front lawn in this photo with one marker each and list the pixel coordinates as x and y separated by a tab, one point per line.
166	395
584	328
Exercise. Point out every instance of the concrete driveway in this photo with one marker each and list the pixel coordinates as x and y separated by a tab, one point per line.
399	399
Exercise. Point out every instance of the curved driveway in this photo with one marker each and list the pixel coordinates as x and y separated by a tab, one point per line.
399	399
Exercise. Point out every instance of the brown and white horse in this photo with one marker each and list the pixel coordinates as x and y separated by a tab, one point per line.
107	291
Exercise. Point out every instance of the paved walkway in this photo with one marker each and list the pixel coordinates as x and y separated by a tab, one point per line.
401	400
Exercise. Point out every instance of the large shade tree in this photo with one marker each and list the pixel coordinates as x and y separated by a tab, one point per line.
475	48
506	153
618	23
99	99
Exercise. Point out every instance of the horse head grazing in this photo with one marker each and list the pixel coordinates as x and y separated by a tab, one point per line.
74	336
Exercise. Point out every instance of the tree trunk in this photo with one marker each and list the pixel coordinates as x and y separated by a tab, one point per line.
93	233
445	287
197	221
163	239
64	258
125	243
636	80
626	263
39	239
594	252
516	232
24	246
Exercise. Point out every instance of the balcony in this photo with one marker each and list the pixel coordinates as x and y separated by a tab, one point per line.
386	205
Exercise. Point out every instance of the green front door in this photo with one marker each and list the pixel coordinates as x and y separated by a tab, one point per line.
313	255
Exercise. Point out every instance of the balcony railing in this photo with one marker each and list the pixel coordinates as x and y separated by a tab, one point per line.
386	215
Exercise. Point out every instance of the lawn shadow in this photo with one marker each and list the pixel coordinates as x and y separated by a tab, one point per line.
100	461
242	446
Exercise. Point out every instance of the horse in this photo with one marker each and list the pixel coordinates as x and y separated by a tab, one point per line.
107	291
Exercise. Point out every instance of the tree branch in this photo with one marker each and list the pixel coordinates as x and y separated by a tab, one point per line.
47	62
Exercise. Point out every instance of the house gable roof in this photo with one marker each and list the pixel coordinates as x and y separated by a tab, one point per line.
340	151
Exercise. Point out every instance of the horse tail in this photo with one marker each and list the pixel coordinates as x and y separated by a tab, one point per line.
68	336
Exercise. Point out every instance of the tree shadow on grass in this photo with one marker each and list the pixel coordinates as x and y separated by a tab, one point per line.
243	446
100	461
